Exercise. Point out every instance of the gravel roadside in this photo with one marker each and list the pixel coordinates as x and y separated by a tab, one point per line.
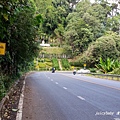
9	104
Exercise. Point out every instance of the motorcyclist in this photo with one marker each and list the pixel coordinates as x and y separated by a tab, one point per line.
53	69
74	71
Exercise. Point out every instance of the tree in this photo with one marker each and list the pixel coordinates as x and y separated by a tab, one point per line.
104	47
85	25
19	32
54	13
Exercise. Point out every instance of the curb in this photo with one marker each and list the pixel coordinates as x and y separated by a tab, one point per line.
20	105
5	100
7	97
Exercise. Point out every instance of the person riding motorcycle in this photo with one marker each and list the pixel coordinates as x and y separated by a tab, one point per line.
74	72
53	70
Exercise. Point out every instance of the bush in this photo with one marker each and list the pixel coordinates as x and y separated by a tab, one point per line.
108	65
93	70
42	64
5	83
2	87
55	63
116	71
76	64
105	47
65	64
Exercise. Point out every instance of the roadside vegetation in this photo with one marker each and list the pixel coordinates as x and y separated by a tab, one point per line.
55	63
52	50
65	64
42	64
109	66
18	30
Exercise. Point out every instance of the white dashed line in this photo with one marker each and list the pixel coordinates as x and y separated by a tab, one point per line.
81	98
65	88
56	82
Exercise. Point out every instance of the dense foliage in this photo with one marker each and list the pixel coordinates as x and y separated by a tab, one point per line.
55	63
65	64
42	64
76	26
108	65
87	23
18	30
106	47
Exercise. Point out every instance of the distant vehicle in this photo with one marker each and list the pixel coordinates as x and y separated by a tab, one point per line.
83	71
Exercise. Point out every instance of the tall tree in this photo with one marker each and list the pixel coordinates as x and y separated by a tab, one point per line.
54	15
85	25
19	31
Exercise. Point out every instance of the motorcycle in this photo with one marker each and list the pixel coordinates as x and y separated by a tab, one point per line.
53	70
74	72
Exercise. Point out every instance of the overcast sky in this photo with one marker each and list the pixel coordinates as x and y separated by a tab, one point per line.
92	1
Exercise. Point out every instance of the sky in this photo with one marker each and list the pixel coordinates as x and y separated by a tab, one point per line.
92	1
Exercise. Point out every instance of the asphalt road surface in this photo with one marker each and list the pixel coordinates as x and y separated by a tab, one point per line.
64	96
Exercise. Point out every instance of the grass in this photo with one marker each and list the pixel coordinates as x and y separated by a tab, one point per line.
105	77
53	50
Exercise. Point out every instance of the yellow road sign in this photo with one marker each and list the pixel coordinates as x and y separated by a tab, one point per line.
72	67
2	48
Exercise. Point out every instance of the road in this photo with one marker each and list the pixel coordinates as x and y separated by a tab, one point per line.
64	96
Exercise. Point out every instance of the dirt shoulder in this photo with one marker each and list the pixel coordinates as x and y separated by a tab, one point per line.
9	104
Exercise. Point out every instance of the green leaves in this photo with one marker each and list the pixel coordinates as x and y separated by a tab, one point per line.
65	64
38	19
85	25
5	17
55	63
2	86
18	31
107	65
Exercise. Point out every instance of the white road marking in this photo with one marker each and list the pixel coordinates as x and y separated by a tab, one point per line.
56	82
20	106
65	88
94	82
81	98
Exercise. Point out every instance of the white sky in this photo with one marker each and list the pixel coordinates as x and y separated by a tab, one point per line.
110	1
92	1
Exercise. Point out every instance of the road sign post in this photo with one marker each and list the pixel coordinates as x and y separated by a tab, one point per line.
84	66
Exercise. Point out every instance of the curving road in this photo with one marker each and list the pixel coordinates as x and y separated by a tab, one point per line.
64	96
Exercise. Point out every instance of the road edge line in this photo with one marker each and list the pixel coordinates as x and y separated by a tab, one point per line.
20	105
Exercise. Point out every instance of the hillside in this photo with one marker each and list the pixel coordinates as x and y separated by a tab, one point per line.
52	50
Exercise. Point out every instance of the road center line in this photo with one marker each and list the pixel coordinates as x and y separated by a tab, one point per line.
56	82
81	98
94	83
65	88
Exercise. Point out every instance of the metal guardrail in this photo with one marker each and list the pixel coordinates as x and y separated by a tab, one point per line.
106	76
